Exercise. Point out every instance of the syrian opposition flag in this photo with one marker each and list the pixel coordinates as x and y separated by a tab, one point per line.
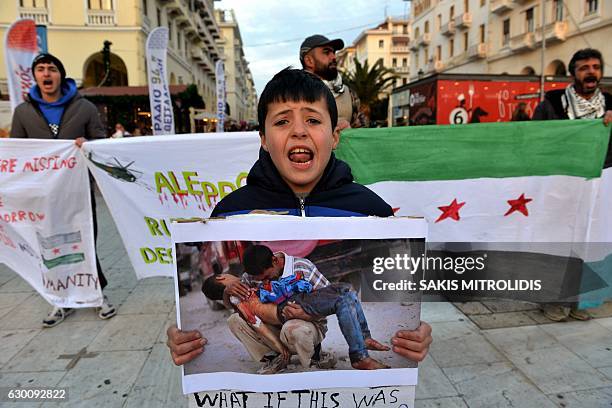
20	48
528	188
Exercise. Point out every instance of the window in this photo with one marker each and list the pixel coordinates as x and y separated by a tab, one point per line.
452	13
100	4
416	59
394	62
558	10
417	32
33	3
439	22
405	61
145	7
404	81
482	34
426	28
465	41
381	44
530	22
506	32
591	7
482	3
426	55
451	47
405	29
158	17
466	6
179	40
439	53
170	28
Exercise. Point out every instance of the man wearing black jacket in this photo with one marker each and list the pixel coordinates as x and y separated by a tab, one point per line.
54	109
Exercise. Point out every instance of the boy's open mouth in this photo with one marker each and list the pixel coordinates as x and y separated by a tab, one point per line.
47	82
300	155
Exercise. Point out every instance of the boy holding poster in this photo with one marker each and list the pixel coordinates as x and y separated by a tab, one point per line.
298	174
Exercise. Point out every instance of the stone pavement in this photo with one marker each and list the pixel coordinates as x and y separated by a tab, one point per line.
484	354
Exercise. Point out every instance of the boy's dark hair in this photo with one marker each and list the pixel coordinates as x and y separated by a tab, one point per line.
294	85
582	55
256	259
213	289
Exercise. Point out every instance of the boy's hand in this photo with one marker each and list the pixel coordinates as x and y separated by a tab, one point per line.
184	345
607	119
295	311
79	141
238	289
413	344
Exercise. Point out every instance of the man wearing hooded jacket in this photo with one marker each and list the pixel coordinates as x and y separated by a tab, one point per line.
55	110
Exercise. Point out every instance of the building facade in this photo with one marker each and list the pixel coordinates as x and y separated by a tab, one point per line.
389	41
505	36
77	30
240	87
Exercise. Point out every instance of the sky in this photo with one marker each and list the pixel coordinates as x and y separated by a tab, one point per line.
272	30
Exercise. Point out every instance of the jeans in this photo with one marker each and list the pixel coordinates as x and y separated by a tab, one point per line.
339	299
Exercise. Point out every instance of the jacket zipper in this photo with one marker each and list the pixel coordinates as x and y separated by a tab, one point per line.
302	200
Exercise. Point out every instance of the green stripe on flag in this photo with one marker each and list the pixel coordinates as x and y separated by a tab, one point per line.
64	260
457	152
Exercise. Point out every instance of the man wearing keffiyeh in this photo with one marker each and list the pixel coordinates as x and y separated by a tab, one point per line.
580	100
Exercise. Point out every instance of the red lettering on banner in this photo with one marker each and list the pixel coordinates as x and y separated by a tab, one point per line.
22	216
49	163
8	165
83	279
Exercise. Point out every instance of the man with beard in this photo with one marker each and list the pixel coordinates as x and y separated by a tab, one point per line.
318	56
580	100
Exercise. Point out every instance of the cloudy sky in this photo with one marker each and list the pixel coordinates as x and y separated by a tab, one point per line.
272	30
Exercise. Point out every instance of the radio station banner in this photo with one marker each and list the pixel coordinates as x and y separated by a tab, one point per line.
148	181
46	230
162	115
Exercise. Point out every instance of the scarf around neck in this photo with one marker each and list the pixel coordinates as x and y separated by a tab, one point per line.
335	85
578	107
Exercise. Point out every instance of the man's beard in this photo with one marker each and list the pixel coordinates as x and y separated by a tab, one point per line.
580	85
326	72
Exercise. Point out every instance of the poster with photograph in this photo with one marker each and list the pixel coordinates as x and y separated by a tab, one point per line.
290	303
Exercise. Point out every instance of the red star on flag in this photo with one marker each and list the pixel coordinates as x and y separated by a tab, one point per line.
520	204
395	210
450	211
56	251
75	247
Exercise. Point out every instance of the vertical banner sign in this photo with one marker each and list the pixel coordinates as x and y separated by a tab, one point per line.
20	48
162	116
220	75
46	229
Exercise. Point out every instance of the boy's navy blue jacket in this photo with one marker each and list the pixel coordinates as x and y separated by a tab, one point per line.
335	195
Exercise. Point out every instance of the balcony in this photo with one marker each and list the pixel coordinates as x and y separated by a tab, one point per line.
401	69
435	66
501	6
523	42
101	17
521	1
401	34
448	29
477	51
177	6
197	54
424	39
464	20
400	49
414	46
38	14
557	31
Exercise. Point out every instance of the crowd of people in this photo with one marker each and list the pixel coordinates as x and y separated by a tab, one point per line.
301	113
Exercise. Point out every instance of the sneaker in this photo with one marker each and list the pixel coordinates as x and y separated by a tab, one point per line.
106	311
56	316
556	313
272	365
580	314
327	360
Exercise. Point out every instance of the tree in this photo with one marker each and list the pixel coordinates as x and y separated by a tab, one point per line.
369	83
